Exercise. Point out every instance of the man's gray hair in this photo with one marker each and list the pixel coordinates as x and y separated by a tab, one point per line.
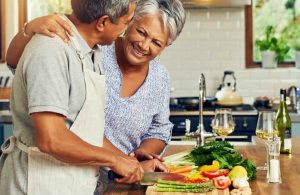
88	11
171	12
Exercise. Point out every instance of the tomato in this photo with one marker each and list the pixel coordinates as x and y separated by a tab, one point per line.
221	182
212	174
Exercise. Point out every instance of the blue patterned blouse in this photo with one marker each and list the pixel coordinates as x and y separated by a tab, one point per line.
143	115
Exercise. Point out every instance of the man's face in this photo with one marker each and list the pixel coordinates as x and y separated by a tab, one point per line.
113	31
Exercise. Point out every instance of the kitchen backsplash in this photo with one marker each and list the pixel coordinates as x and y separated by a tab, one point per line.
213	40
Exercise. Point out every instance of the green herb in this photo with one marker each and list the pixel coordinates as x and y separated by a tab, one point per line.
271	43
223	152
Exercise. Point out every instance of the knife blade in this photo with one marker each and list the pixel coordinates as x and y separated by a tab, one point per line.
150	178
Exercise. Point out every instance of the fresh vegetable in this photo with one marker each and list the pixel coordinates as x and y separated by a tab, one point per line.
194	175
240	182
172	186
181	169
237	172
217	173
215	166
224	153
221	182
187	180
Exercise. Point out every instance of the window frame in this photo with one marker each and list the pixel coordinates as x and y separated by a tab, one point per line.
249	42
22	13
2	29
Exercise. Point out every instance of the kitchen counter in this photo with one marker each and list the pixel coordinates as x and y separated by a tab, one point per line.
289	164
210	113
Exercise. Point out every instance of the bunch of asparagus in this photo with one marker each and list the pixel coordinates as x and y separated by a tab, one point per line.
174	186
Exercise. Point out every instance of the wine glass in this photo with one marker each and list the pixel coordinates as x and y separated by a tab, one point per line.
265	129
223	123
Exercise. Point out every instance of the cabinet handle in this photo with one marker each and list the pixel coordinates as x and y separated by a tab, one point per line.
245	124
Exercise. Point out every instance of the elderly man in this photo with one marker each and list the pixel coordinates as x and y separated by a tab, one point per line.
58	108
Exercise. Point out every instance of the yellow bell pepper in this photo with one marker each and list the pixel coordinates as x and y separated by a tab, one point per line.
214	167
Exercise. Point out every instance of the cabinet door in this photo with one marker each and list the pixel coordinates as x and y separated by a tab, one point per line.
245	125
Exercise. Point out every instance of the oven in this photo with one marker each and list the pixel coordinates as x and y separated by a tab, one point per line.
245	117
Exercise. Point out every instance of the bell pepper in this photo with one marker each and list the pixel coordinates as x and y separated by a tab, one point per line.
217	173
215	166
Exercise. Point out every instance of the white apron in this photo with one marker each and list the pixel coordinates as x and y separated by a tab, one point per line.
49	176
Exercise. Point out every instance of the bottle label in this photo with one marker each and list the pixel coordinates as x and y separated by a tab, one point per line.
287	144
287	133
287	139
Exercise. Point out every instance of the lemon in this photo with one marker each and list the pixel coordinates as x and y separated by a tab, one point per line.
237	172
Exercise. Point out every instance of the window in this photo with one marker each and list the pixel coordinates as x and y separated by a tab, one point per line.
30	9
37	8
284	16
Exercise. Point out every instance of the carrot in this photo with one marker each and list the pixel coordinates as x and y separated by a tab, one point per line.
182	169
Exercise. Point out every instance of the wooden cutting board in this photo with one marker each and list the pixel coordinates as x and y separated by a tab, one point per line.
151	191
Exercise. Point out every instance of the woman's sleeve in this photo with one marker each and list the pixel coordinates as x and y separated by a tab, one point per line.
161	127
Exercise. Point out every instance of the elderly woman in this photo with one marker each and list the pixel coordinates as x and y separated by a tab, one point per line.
137	110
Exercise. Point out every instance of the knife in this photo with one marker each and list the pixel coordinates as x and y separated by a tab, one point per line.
150	178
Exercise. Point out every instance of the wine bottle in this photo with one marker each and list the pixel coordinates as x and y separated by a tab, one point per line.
283	125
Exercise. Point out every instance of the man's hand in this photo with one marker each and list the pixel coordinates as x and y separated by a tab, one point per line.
129	168
153	165
142	155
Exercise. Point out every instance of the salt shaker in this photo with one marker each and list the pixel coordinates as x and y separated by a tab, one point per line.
274	175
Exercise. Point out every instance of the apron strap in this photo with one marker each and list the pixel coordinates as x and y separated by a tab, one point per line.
10	143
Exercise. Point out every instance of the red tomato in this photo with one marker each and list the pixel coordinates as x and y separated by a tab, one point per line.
212	174
221	182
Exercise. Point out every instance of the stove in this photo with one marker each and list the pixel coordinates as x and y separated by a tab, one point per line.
245	117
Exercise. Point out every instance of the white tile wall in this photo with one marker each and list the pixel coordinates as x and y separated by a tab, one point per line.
213	40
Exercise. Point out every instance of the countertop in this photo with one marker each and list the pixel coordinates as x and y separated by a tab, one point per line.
289	164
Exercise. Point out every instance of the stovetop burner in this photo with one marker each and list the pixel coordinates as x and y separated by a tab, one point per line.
212	106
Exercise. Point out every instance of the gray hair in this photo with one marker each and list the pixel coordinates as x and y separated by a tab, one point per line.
171	12
88	11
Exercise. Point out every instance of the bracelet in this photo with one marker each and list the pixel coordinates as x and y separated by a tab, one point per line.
24	28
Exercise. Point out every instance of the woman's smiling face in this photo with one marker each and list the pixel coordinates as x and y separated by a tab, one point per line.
145	39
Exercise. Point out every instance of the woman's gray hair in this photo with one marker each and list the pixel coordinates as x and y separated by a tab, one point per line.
171	11
90	10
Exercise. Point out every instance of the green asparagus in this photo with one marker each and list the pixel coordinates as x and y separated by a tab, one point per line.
173	186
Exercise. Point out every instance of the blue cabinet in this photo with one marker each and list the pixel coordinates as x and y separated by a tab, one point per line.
245	125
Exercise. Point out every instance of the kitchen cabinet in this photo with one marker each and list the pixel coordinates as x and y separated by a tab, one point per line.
244	129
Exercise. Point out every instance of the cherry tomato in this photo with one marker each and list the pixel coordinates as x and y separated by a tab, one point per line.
212	174
221	182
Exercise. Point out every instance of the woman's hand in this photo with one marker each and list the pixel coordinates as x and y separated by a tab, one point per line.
153	165
51	26
142	155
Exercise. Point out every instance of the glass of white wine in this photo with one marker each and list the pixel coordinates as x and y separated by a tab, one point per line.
265	129
223	123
